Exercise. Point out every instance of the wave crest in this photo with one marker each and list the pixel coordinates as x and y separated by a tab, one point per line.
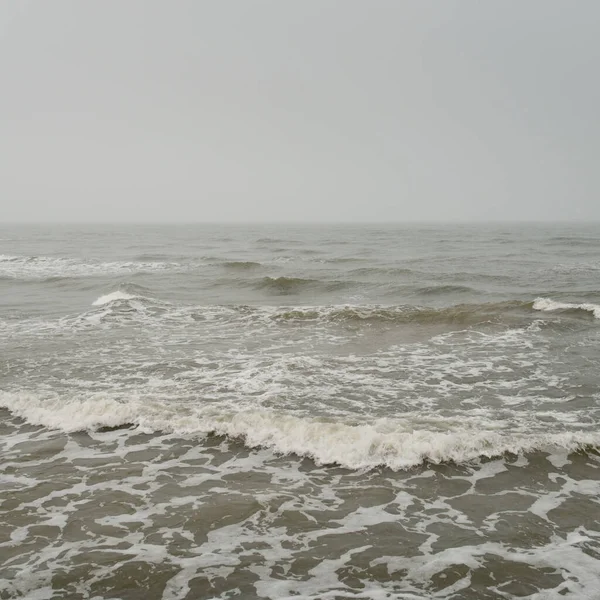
545	304
112	297
440	290
241	265
385	442
293	285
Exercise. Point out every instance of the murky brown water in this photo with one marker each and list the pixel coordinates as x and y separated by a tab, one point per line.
341	412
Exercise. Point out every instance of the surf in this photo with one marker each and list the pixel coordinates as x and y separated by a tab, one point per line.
387	442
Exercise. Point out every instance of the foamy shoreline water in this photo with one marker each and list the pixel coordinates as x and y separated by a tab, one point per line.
387	442
337	412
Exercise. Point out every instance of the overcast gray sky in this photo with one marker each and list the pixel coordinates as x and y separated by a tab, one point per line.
305	110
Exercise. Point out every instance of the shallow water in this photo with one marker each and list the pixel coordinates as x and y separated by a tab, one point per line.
308	412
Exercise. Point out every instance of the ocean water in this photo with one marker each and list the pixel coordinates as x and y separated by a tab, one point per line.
277	411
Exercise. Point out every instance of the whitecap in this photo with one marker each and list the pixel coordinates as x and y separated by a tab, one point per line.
112	297
394	443
548	305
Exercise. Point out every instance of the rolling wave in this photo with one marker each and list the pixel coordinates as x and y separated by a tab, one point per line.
130	300
440	290
547	305
391	443
462	314
344	260
294	285
241	265
575	240
383	271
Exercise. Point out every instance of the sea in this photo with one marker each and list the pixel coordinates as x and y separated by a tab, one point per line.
278	411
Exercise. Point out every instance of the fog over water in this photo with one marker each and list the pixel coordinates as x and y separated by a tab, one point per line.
305	111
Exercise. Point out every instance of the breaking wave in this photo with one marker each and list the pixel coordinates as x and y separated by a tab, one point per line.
112	297
545	304
130	301
390	443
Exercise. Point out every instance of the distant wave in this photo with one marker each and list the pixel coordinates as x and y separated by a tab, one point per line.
473	276
463	314
165	258
268	240
440	290
283	242
545	304
564	240
385	271
344	260
578	268
294	285
51	267
241	265
384	442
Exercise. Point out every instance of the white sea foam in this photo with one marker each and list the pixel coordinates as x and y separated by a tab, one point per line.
112	297
390	442
43	267
545	304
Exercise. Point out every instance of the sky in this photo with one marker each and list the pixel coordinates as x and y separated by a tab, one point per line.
305	110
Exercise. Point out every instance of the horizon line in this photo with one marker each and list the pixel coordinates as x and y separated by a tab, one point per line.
324	222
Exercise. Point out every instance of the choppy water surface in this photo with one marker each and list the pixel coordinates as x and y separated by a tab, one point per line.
307	411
